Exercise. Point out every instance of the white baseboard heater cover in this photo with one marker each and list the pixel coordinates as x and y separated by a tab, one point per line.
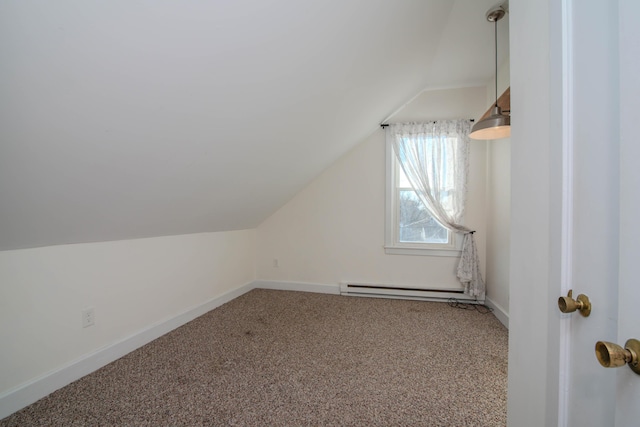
404	292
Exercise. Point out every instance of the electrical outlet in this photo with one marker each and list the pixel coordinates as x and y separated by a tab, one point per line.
88	317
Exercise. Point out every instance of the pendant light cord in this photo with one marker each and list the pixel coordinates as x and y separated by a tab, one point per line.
495	37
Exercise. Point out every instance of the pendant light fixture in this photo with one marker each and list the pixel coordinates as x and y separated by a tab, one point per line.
497	125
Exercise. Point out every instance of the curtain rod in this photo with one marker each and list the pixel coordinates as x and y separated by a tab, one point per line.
384	125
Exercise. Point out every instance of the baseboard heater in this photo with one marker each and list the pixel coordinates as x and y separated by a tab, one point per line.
404	292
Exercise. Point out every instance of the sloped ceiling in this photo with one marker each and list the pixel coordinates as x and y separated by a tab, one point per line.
123	119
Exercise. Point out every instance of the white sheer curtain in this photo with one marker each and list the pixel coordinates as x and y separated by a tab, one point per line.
435	158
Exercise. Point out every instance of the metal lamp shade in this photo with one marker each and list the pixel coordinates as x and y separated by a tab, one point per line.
496	126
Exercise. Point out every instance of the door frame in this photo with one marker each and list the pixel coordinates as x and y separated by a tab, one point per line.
567	225
542	211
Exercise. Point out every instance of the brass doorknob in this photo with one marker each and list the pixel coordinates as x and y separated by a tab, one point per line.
611	355
569	305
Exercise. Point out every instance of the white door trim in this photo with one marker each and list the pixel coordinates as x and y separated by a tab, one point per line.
566	261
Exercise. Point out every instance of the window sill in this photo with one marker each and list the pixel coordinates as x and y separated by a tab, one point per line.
396	250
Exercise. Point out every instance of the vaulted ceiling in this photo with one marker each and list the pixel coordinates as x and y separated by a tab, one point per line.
139	118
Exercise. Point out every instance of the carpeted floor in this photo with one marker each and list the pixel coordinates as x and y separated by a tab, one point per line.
276	358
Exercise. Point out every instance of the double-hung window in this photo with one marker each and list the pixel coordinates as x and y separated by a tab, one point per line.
410	227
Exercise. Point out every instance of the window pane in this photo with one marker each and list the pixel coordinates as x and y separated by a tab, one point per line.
403	181
416	224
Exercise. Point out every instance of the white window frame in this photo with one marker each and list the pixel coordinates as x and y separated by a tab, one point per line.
393	246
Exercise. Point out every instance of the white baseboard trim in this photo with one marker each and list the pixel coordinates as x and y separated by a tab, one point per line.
19	397
498	311
297	286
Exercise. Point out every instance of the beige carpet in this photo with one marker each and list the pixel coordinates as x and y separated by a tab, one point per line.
276	358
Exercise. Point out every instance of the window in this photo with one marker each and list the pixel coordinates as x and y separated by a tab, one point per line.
410	228
415	223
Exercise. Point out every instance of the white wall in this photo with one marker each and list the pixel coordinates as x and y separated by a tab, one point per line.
536	207
498	207
498	222
333	230
131	284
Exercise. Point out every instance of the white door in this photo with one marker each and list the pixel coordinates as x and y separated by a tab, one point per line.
603	258
628	383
